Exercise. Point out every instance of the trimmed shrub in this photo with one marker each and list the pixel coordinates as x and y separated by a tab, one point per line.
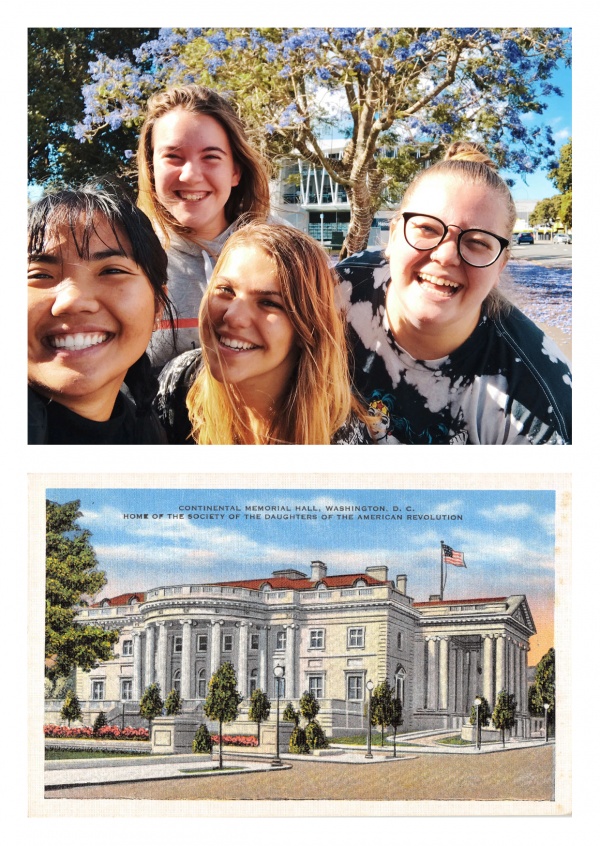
202	741
99	723
315	736
298	744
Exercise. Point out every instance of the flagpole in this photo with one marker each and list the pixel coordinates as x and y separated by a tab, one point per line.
441	570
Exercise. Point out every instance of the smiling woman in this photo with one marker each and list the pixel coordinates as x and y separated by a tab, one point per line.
273	365
440	357
96	276
197	176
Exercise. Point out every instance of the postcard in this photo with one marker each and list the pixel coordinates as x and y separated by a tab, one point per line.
327	645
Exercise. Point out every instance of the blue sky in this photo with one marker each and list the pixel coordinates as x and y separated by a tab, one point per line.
507	538
558	115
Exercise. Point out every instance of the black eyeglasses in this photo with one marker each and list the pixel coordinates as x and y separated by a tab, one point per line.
475	246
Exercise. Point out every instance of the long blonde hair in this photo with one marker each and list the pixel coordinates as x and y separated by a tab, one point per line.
249	198
319	399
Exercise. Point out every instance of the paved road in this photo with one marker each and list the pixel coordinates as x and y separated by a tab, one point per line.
525	774
543	252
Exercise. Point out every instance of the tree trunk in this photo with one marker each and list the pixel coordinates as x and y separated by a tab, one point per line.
362	209
220	745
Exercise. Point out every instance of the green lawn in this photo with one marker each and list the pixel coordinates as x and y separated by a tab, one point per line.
66	754
455	740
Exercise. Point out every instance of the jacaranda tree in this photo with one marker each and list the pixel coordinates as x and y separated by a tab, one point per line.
410	89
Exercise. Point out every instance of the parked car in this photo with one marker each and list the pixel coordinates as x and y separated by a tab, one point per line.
525	238
562	238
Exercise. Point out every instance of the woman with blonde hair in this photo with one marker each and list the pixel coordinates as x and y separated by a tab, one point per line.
428	329
197	174
273	364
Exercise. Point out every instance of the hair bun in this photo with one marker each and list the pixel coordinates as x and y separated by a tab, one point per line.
469	151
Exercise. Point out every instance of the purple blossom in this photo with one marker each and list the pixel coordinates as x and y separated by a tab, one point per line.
389	67
129	154
213	64
218	41
362	67
323	73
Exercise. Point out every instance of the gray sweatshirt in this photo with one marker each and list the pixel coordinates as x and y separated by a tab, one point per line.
189	271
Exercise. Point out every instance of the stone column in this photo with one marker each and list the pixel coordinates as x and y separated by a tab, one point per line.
215	646
136	694
161	659
243	658
488	668
262	659
290	662
443	674
149	679
432	674
500	664
186	659
460	680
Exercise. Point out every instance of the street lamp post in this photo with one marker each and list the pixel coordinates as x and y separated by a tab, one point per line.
278	672
370	687
546	706
477	737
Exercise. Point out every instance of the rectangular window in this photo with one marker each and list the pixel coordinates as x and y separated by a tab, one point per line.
127	648
315	686
280	640
399	640
355	688
126	689
317	638
356	638
177	644
254	641
227	643
280	683
97	689
202	643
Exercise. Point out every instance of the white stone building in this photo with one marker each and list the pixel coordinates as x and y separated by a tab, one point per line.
331	634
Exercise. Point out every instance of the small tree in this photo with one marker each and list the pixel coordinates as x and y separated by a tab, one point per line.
504	713
298	744
395	718
290	715
151	704
260	708
71	709
309	708
381	706
99	723
173	703
223	700
543	688
484	716
202	741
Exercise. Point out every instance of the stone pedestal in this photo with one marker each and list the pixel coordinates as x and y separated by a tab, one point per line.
172	734
267	737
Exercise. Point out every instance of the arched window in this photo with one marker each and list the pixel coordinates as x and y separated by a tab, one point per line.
253	681
177	680
201	684
399	683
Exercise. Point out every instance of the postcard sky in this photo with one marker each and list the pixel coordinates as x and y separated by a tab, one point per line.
507	538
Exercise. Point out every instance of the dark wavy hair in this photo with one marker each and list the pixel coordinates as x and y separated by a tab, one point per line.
78	211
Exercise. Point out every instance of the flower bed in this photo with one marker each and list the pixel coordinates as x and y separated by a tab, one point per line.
236	739
110	732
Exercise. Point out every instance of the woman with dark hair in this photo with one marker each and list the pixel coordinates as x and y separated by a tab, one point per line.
96	286
429	329
198	176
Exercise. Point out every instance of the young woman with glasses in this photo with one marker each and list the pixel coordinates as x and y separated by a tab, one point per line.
455	361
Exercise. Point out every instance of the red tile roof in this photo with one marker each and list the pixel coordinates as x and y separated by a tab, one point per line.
284	583
122	599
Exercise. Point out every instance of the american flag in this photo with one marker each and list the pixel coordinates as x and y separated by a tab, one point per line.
451	556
